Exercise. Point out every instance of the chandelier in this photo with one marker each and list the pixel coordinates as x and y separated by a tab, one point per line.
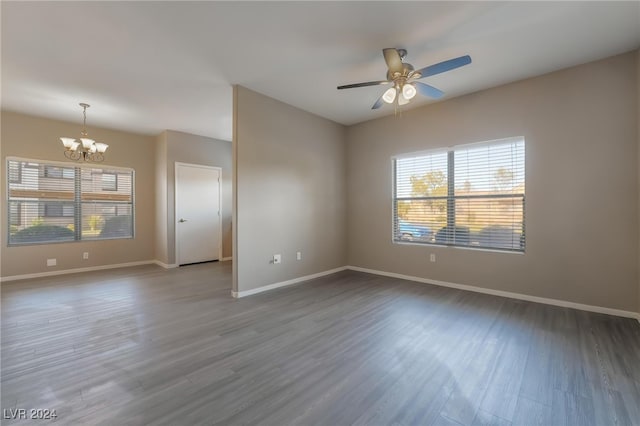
84	149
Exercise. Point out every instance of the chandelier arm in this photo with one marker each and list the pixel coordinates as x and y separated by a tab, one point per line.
72	155
93	156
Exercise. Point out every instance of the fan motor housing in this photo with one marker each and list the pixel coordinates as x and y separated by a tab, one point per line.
406	70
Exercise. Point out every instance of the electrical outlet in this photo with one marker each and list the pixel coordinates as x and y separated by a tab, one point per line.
432	257
277	258
85	255
299	255
52	262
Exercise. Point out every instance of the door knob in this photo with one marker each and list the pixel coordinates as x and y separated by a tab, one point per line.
182	220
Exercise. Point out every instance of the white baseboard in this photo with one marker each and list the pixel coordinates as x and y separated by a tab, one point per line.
519	296
166	265
238	294
225	259
75	270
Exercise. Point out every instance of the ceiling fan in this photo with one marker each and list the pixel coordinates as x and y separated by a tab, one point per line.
404	78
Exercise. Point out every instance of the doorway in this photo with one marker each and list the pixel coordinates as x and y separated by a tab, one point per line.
198	220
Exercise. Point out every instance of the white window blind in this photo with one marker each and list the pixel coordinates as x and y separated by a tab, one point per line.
472	196
50	202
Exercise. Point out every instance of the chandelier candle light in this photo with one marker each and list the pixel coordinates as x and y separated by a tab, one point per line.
84	149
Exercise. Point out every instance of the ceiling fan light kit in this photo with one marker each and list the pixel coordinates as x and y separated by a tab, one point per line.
404	78
409	91
389	95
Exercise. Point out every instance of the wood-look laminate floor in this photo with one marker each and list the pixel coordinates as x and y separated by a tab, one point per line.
145	345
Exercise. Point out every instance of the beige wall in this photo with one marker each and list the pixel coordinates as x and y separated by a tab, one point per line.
580	126
234	195
638	135
290	191
161	221
193	149
37	138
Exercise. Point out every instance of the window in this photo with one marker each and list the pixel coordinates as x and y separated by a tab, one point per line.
109	181
57	203
58	209
15	214
15	172
58	172
471	196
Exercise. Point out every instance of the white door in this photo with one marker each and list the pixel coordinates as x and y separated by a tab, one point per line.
198	220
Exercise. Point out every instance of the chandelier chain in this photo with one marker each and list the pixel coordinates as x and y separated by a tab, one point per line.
84	119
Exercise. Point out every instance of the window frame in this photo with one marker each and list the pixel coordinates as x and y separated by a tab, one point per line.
451	197
78	199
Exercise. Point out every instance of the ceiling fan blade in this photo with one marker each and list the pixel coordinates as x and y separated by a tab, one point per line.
444	66
368	83
393	60
378	103
427	90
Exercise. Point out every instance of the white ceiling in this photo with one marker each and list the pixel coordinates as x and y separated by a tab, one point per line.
150	66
